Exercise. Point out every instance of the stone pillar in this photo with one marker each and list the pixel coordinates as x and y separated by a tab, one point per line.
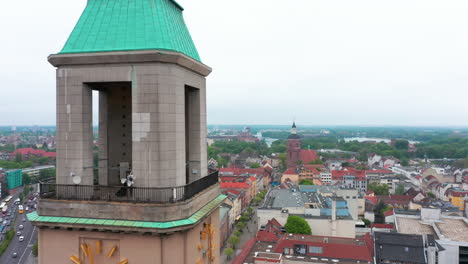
103	162
74	129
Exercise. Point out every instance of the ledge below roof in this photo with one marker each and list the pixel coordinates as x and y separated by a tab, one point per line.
126	226
129	57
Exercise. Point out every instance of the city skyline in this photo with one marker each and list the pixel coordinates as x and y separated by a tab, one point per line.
321	63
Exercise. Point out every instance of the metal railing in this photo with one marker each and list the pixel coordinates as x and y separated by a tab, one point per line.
126	194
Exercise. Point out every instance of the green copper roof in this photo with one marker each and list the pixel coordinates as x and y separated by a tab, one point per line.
124	25
34	217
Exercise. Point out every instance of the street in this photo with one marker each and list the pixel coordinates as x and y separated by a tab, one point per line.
23	249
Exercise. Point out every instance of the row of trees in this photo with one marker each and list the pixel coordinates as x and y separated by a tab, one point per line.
234	239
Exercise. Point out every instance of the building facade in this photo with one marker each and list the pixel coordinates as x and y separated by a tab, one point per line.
153	199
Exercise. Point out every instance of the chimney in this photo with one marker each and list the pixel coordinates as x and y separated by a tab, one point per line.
333	210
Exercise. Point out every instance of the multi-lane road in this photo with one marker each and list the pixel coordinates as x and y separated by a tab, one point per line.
23	249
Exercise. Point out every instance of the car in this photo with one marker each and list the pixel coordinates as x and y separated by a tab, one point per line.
18	233
20	227
24	220
27	208
14	255
21	238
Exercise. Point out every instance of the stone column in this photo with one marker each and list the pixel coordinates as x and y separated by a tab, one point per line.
74	129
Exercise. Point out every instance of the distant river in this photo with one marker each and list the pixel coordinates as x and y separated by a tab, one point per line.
386	140
268	141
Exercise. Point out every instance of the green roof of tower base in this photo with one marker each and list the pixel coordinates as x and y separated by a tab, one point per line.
193	219
124	25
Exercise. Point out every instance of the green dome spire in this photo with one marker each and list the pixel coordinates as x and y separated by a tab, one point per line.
124	25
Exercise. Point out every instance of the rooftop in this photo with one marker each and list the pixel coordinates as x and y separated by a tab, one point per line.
122	25
413	226
453	229
399	247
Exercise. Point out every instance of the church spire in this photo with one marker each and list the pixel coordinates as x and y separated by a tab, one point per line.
293	128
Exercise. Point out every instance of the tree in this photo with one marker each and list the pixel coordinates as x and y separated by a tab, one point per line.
250	210
254	165
401	144
26	179
229	252
18	157
244	219
306	182
430	194
299	162
35	250
367	222
234	240
400	190
317	161
379	189
46	174
297	225
282	158
240	226
346	164
257	200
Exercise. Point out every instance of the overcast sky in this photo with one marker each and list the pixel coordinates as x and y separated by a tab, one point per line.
350	62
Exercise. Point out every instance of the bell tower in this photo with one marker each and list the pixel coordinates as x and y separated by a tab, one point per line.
151	197
294	147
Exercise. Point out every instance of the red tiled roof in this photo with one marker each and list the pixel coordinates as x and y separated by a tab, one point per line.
347	249
388	213
388	226
338	175
395	199
372	199
234	185
37	152
290	171
308	155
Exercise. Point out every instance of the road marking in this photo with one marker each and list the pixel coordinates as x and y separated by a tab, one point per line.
26	248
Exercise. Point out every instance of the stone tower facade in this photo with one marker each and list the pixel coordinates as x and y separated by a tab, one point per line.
151	198
294	147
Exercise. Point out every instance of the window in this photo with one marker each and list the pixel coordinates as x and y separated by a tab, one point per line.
315	250
300	249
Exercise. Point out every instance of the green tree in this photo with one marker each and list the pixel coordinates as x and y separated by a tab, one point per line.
26	179
317	161
234	240
35	250
250	210
297	225
402	144
254	165
46	174
367	222
379	189
229	252
240	225
306	182
18	157
430	194
400	190
282	158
